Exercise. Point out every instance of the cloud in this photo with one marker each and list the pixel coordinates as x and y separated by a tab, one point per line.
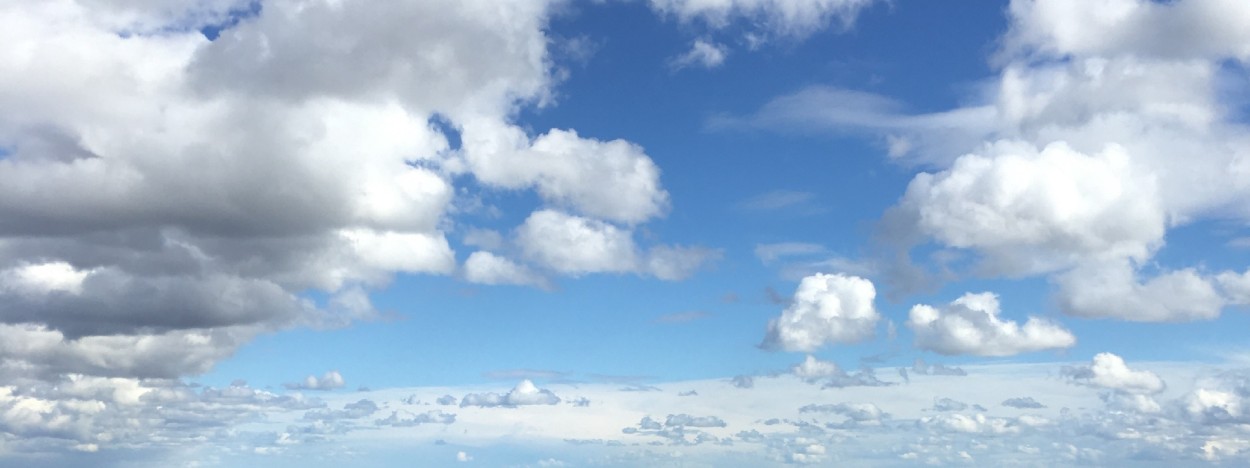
487	268
612	180
686	420
330	381
403	418
1132	27
769	253
742	381
772	18
827	309
1064	164
1028	211
702	53
574	246
812	369
1023	403
308	179
1109	371
524	394
921	367
970	325
858	412
1113	289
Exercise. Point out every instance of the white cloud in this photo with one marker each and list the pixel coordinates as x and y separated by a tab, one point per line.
462	456
812	369
1109	371
332	380
1066	27
573	245
702	53
827	309
524	394
785	18
43	278
611	180
163	188
1027	211
971	325
487	268
1111	289
1236	287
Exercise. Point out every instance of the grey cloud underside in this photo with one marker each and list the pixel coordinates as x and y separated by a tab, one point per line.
184	195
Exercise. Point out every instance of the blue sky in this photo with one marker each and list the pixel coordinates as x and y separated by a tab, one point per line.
665	232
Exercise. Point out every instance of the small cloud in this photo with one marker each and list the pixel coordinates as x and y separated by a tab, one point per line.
524	394
702	53
743	381
1023	403
330	381
463	457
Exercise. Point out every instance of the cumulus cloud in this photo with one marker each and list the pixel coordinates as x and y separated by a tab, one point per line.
487	268
168	195
1114	290
827	309
812	369
574	245
330	381
970	325
1029	211
1109	371
525	393
1065	165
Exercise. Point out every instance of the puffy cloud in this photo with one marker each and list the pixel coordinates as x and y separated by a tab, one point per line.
574	245
1112	289
168	197
1066	27
970	325
1109	371
330	381
525	393
702	53
827	309
1236	287
1029	211
812	369
611	180
488	268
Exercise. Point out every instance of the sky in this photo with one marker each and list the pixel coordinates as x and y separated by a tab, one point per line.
624	233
